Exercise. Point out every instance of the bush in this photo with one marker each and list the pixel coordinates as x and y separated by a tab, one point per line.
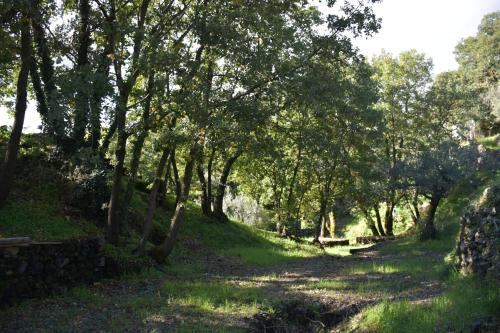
91	178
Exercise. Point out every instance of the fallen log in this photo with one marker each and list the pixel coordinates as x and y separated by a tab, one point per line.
335	242
15	241
373	239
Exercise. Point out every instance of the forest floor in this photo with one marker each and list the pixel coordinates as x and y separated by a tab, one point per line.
232	277
213	293
343	285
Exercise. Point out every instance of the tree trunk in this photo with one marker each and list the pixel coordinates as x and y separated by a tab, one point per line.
429	231
209	177
206	206
137	151
166	248
177	180
82	110
134	167
221	188
148	220
113	227
292	184
38	89
371	223
107	139
389	219
7	170
55	118
324	229
100	84
380	227
162	191
318	225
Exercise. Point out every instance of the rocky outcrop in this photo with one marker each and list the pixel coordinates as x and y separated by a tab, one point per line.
478	249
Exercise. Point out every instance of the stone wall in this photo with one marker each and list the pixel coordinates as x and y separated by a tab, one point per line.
33	269
478	248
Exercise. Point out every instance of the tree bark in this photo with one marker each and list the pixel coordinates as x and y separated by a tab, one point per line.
166	248
114	207
162	191
221	188
113	226
7	170
177	181
380	227
209	177
100	85
429	231
318	224
82	111
148	220
107	139
389	219
55	118
206	205
371	223
38	89
137	150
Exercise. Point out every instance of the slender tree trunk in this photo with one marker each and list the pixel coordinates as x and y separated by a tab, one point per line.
100	84
162	191
7	170
331	223
289	200
148	220
109	135
371	223
168	245
177	181
318	225
379	220
429	231
221	189
114	207
205	202
82	110
137	151
55	118
113	227
389	218
209	178
38	89
323	231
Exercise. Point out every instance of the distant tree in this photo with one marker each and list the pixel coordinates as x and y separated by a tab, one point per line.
479	67
437	170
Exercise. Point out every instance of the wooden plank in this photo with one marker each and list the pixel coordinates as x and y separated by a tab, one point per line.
45	243
15	241
335	242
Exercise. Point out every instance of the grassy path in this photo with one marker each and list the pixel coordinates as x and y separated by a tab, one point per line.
221	295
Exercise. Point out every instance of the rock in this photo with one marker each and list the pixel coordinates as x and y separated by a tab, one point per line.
478	248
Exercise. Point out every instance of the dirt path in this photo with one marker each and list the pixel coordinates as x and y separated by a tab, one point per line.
340	285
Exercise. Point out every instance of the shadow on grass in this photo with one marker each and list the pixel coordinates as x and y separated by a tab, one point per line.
173	306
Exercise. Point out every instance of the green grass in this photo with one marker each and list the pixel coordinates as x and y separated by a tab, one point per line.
41	221
490	142
466	301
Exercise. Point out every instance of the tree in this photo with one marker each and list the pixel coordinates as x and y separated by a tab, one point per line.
403	82
9	162
437	170
479	66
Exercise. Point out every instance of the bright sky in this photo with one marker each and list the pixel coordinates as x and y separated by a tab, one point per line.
433	27
430	26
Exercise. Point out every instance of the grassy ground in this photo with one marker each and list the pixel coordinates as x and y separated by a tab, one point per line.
220	275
